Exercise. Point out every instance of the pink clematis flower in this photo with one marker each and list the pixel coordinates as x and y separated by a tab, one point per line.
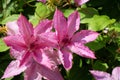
100	75
27	46
70	42
80	2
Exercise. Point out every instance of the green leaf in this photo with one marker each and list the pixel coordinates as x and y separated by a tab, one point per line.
97	44
98	23
98	65
81	62
10	18
87	13
79	71
67	12
115	27
9	78
34	20
42	11
3	46
9	7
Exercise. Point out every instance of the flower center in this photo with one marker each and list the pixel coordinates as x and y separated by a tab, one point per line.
65	42
32	46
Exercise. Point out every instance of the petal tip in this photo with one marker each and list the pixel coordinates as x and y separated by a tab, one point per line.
68	68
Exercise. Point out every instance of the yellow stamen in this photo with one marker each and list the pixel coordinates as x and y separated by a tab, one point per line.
3	29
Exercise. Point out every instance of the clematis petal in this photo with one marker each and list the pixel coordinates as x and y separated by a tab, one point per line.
52	56
50	59
15	42
13	69
66	59
53	74
32	72
116	73
80	2
37	55
60	24
25	28
82	50
100	75
16	54
85	36
43	26
37	71
44	1
12	28
47	39
26	58
73	23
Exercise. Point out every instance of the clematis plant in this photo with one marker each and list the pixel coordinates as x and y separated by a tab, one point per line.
100	75
70	41
27	46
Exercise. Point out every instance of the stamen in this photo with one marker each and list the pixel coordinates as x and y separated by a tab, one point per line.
3	29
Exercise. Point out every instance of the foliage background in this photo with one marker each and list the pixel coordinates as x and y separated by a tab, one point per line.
97	15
